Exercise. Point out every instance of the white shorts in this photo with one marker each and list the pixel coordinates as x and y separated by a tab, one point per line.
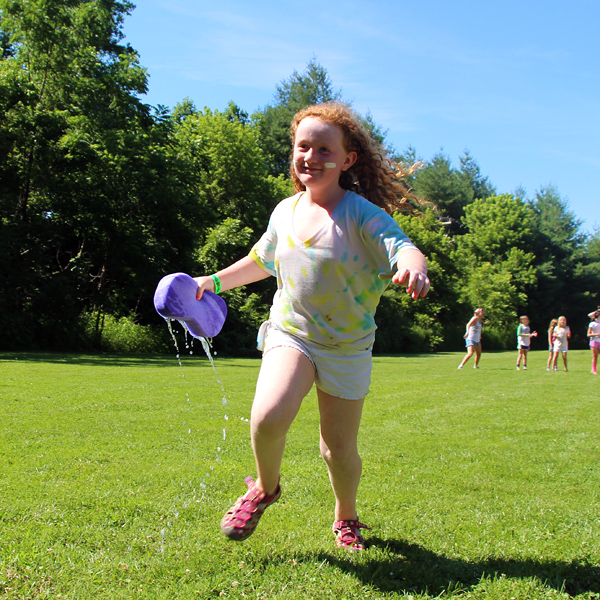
343	375
558	347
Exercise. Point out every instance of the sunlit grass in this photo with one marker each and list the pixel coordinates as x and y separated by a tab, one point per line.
477	483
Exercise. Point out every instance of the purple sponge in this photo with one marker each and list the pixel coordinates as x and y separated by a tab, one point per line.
175	298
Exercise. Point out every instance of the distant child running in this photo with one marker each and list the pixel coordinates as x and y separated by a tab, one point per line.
524	335
553	324
473	338
594	335
333	252
562	333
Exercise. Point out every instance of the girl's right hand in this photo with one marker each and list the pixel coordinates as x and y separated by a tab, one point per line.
204	283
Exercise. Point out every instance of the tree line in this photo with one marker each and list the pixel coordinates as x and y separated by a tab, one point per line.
101	195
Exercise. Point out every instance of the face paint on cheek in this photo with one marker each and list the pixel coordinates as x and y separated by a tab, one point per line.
330	165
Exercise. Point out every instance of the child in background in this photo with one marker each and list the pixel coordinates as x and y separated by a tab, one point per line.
473	338
562	333
333	253
553	324
523	341
594	335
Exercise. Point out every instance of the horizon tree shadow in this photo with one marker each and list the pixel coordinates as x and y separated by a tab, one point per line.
412	568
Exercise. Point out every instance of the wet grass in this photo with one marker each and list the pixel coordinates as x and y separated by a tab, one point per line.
115	472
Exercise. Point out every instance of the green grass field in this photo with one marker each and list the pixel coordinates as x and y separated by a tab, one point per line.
477	483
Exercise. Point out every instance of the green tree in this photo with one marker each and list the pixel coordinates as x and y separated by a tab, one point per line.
293	94
229	178
499	272
590	270
470	171
227	167
439	182
406	325
564	282
89	211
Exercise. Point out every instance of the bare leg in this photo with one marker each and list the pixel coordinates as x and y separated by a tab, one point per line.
565	359
477	354
340	421
286	376
467	355
554	359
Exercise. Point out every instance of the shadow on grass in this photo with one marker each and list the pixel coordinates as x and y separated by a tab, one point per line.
412	568
122	360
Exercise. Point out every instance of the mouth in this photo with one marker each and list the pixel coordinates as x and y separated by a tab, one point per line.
307	170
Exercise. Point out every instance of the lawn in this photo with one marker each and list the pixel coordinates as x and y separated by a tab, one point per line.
115	472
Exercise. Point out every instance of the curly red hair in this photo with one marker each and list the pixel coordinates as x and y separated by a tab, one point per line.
373	175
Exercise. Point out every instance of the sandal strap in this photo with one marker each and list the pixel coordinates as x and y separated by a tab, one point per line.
348	532
241	519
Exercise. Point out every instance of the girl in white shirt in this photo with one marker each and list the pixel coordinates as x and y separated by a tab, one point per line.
562	333
594	335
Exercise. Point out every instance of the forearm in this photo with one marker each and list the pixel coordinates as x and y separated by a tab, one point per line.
242	272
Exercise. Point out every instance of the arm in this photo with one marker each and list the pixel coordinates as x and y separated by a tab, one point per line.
412	273
242	272
469	324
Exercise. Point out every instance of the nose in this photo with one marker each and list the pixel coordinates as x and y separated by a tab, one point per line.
309	155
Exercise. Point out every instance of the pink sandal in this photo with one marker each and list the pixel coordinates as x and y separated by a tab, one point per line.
348	535
241	519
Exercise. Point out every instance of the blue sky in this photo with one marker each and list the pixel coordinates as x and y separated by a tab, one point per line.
516	83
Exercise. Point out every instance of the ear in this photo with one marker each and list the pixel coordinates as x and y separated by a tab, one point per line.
349	161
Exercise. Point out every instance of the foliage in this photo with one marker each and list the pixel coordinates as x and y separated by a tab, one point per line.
423	325
228	170
90	210
225	244
300	90
499	271
562	264
101	195
123	335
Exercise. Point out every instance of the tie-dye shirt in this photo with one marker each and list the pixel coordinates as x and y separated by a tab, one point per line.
329	286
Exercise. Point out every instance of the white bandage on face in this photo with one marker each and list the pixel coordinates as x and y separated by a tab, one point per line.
330	165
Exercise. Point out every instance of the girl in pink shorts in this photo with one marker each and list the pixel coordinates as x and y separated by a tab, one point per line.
594	335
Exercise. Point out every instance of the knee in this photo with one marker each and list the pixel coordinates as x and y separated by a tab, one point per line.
268	424
339	455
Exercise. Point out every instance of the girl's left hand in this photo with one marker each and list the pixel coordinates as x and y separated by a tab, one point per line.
416	281
412	273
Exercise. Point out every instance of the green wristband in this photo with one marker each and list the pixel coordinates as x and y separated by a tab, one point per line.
217	283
